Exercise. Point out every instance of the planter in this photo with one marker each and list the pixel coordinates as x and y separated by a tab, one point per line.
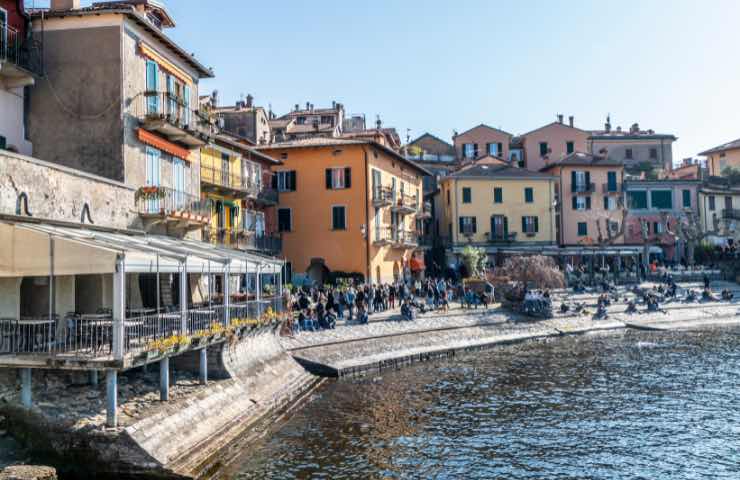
150	355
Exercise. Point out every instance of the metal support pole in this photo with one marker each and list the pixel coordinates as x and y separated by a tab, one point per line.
111	377
158	287
94	378
227	293
203	366
164	379
52	291
184	297
119	307
26	391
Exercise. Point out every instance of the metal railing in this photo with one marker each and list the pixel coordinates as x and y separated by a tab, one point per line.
22	51
612	187
405	203
267	196
582	187
244	240
495	237
404	238
382	195
731	213
166	201
234	181
172	109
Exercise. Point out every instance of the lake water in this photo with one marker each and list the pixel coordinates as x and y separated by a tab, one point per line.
628	405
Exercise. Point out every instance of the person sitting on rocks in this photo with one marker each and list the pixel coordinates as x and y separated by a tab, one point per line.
564	307
707	296
362	317
631	307
691	296
653	305
407	311
727	295
601	312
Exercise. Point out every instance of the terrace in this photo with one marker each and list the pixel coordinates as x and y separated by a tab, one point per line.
20	58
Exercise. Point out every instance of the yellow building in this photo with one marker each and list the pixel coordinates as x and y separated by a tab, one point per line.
238	181
724	156
497	207
347	207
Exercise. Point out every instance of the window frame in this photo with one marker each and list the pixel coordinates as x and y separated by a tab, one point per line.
345	227
498	199
585	230
290	219
469	191
528	194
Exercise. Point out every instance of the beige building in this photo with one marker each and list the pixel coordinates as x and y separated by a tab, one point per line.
723	156
497	207
719	211
246	121
633	147
590	198
552	143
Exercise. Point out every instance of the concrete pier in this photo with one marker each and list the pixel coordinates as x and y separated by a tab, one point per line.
26	390
94	378
111	418
203	367
164	379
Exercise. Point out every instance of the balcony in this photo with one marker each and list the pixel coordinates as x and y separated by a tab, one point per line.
382	236
404	204
426	241
425	211
170	117
163	204
267	197
501	237
404	239
382	196
218	180
20	58
246	240
583	188
612	188
731	214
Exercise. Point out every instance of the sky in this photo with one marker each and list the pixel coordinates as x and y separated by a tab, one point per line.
438	66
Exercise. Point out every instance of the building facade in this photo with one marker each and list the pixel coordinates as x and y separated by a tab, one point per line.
589	196
633	147
497	207
719	211
121	102
347	207
482	140
246	121
722	157
654	208
309	122
20	64
551	143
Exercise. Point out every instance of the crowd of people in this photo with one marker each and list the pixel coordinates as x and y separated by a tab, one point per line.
320	307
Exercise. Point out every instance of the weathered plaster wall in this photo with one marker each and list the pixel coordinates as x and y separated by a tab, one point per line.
60	193
11	120
10	297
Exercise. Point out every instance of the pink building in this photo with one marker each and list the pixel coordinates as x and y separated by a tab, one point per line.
589	196
552	143
480	141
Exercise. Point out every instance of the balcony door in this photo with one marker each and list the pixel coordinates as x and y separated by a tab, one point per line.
499	227
178	182
225	166
153	176
152	87
3	33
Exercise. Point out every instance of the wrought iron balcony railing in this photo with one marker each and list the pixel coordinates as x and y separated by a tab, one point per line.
583	187
172	117
19	50
612	187
156	201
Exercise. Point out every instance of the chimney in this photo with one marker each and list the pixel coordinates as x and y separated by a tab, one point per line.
250	99
296	107
619	129
333	104
239	104
608	124
635	128
308	105
560	118
63	5
570	120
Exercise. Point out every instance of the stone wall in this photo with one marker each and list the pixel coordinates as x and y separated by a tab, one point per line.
60	193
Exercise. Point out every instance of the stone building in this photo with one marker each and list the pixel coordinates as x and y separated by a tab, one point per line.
246	120
121	102
309	123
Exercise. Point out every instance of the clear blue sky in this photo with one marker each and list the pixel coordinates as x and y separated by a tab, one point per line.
435	66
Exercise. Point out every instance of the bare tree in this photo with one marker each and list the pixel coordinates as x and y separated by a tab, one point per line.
690	230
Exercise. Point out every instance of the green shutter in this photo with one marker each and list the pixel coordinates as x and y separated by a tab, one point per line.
536	225
588	203
328	178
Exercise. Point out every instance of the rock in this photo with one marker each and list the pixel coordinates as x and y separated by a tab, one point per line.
28	472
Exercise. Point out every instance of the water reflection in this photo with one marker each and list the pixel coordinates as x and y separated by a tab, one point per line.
631	405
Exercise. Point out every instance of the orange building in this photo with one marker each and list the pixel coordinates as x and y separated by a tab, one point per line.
347	207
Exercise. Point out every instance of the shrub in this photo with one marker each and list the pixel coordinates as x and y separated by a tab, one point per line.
540	270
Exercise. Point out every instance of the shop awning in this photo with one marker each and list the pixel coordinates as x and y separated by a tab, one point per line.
28	248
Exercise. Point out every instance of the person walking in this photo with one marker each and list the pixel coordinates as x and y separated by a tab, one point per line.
349	300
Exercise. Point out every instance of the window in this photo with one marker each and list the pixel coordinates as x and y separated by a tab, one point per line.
613	227
327	120
661	199
653	153
285	220
285	181
628	153
580	181
658	228
530	225
470	150
581	202
301	120
728	203
611	181
637	200
529	195
495	149
610	202
711	202
338	218
152	86
686	198
467	195
498	195
582	229
570	147
499	226
543	149
468	225
338	178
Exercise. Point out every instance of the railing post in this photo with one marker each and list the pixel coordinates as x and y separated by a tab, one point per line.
164	379
203	370
227	293
119	307
26	389
184	297
112	398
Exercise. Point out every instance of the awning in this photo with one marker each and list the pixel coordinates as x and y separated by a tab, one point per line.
78	250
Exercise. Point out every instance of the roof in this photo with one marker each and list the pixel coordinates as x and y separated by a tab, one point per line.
498	171
315	111
484	126
721	148
550	125
625	135
319	142
141	20
583	159
433	137
237	143
279	122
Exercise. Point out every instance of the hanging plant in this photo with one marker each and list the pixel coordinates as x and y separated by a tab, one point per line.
150	192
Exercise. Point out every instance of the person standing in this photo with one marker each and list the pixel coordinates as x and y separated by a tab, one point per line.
349	300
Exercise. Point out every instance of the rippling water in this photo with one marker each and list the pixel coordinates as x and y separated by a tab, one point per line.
630	405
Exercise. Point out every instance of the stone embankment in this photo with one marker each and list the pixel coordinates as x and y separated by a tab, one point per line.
28	472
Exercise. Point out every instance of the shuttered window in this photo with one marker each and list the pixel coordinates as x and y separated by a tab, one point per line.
285	220
338	218
498	195
529	195
467	195
338	178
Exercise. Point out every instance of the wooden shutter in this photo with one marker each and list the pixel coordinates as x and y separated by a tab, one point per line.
293	180
536	225
575	202
328	178
506	226
461	224
588	203
347	177
275	181
524	224
588	180
573	181
606	202
500	149
475	225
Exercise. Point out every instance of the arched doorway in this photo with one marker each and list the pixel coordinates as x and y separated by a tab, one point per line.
317	271
396	272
